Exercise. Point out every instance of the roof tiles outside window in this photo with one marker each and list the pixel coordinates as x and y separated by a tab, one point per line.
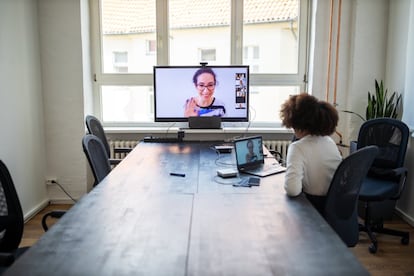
138	16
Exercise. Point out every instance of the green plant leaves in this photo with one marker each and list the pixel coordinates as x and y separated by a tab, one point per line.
380	105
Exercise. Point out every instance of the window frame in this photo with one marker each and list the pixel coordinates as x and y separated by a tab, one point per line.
162	52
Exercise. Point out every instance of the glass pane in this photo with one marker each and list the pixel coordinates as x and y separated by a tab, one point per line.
270	36
196	26
265	102
127	104
128	27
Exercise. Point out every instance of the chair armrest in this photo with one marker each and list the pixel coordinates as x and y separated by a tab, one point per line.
402	172
381	172
397	176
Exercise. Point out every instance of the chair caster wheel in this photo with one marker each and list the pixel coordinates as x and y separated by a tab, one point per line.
405	240
372	249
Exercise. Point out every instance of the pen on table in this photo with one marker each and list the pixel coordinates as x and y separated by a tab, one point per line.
178	174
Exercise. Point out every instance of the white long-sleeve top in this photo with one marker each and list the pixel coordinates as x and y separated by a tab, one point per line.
311	163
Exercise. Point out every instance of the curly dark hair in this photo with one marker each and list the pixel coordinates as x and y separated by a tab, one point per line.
305	112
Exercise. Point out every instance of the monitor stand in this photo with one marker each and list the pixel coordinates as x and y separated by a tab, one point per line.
212	122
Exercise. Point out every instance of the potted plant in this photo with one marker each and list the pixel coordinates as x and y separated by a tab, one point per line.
380	105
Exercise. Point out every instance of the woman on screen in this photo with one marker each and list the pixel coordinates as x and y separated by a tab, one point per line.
204	104
313	158
251	156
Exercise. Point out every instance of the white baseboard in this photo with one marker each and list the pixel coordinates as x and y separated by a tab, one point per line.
36	210
62	201
407	218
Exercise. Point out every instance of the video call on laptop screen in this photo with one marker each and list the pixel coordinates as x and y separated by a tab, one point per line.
249	151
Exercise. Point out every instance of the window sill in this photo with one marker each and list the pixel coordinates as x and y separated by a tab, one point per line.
189	130
198	134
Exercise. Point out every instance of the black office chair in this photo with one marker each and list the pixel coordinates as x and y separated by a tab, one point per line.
99	163
94	127
386	178
97	158
341	202
11	220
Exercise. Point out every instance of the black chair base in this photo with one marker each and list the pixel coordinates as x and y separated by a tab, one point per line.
379	229
52	214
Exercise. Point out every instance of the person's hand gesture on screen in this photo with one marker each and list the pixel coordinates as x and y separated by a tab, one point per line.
191	108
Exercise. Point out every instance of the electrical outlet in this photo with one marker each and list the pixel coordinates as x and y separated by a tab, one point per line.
51	181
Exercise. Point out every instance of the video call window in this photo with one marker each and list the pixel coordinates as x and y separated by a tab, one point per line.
186	91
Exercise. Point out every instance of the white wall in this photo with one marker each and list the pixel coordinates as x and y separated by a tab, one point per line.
408	115
361	57
329	81
63	90
22	139
377	42
400	76
367	56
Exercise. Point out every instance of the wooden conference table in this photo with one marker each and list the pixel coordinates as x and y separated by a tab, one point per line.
143	221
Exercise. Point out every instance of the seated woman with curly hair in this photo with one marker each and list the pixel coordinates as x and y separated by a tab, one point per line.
313	158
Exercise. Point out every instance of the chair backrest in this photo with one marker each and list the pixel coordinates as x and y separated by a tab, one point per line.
11	214
96	155
341	202
94	127
390	136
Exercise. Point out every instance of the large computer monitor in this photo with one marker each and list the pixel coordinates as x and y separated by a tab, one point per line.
181	92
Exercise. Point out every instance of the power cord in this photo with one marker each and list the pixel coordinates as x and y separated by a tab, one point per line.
60	186
168	128
251	118
351	112
219	156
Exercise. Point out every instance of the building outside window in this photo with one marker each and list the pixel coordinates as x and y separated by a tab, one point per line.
207	55
120	62
151	47
251	56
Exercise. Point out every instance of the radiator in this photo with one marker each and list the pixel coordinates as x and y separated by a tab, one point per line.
280	146
121	144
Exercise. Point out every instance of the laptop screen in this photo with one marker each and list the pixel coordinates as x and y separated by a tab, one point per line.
249	152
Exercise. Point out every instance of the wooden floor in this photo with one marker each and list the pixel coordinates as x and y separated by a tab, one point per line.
392	257
33	228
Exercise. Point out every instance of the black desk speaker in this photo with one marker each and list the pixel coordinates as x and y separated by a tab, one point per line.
204	122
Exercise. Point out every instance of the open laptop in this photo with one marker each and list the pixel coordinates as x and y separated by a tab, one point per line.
251	160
